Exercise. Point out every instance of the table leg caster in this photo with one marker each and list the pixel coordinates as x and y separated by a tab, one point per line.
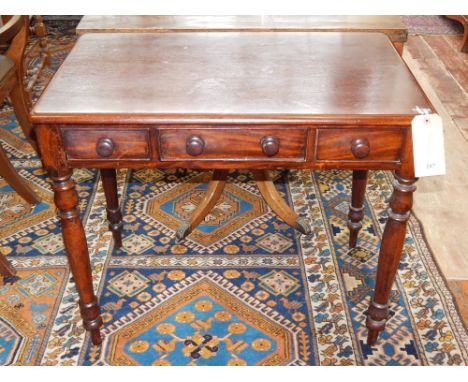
372	336
376	320
96	338
10	279
303	226
182	232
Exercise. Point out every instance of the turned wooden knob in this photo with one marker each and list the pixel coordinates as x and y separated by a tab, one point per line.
270	146
195	145
105	147
360	148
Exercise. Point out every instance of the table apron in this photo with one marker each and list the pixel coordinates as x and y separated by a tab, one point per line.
230	147
236	164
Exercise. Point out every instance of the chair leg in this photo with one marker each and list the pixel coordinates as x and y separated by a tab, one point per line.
19	102
8	172
277	204
212	195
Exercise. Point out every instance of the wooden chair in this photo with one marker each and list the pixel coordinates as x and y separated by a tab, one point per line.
463	20
15	33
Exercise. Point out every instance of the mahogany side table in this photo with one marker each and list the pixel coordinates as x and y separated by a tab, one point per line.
139	100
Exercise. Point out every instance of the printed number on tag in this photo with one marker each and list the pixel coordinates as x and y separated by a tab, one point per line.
428	145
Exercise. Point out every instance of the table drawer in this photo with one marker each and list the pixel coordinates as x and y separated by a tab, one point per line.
232	144
105	144
379	145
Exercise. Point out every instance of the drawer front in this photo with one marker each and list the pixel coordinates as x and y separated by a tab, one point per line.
105	144
383	145
232	144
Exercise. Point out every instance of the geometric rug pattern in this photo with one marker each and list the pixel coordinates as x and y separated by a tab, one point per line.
243	289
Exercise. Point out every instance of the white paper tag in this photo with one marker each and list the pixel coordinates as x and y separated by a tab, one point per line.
428	145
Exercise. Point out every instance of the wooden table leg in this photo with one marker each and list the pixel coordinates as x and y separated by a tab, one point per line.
8	172
356	208
212	195
390	253
114	214
74	239
277	204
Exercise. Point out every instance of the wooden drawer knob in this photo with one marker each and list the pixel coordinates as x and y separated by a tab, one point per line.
270	146
360	148
105	147
195	145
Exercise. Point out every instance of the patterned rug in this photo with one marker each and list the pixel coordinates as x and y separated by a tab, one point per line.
243	289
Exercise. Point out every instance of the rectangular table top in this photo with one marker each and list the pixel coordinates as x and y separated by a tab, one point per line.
230	75
391	25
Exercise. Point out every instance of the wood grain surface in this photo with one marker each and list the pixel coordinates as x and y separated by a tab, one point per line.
391	25
171	76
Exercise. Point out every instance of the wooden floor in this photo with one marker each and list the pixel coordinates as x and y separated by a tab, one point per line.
441	203
440	58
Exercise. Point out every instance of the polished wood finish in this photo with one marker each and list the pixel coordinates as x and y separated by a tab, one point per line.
334	96
393	239
74	238
392	26
213	193
277	204
267	190
320	82
104	144
217	143
356	208
114	214
390	253
359	144
15	33
252	23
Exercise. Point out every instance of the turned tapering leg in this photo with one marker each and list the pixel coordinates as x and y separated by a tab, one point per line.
390	253
74	239
277	204
212	195
356	208
114	214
